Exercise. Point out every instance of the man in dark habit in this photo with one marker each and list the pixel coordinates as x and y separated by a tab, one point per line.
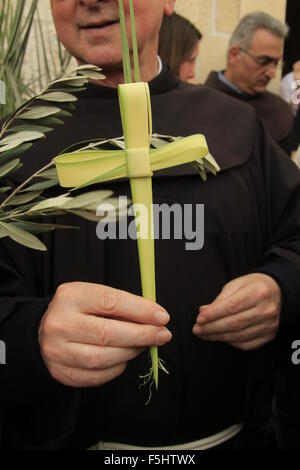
255	51
76	327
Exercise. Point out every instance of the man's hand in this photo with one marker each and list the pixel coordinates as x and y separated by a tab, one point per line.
244	315
90	331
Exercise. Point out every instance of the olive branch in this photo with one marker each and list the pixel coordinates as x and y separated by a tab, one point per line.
22	207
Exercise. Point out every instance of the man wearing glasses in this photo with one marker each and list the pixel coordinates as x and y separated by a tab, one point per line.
255	52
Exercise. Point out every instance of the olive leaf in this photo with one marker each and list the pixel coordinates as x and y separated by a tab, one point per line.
25	198
59	97
39	112
21	236
9	167
34	227
86	199
41	185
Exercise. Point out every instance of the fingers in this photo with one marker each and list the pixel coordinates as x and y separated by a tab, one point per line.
245	314
89	332
225	305
242	294
92	330
82	356
75	377
102	300
242	336
231	323
254	344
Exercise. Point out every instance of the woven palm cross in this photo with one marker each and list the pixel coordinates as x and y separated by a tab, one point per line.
137	162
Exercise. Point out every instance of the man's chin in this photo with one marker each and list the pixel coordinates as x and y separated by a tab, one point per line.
108	63
261	88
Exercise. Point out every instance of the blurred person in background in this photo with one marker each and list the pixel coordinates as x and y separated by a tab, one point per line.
289	85
179	42
255	51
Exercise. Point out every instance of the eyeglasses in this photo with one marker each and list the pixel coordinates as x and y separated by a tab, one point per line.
262	61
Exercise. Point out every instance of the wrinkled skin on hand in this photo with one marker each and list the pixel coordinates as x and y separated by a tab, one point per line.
245	315
90	331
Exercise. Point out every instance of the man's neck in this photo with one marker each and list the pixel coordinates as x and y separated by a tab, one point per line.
241	87
115	76
229	77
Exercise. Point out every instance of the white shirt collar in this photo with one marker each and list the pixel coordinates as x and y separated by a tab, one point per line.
160	65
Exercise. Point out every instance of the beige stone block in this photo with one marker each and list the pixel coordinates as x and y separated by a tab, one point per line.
274	86
212	55
44	9
227	15
199	12
275	8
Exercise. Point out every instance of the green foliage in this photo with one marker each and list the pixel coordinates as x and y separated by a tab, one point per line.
22	208
18	20
15	29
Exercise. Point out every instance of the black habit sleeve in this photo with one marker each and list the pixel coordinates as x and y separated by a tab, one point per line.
282	251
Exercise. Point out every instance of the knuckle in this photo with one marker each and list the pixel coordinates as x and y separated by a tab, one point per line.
64	290
141	339
48	351
234	324
109	299
240	336
94	360
272	310
104	333
233	305
51	325
262	290
74	359
270	314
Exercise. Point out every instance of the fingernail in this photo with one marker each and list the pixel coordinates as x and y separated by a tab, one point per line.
162	317
163	337
197	329
201	320
203	307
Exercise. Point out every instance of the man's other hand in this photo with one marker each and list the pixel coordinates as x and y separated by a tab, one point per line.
245	314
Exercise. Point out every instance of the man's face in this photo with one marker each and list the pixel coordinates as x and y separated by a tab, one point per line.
248	73
90	29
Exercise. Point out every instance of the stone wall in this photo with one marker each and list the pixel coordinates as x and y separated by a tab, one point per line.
216	19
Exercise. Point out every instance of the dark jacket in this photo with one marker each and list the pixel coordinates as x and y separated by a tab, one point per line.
274	112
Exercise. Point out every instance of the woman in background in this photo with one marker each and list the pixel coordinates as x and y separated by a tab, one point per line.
179	42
